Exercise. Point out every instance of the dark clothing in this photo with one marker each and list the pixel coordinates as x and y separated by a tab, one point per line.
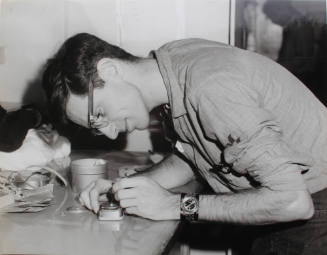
296	238
14	126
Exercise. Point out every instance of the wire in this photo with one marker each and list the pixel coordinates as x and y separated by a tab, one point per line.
57	174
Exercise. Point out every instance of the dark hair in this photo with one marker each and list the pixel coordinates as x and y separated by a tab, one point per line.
72	67
281	12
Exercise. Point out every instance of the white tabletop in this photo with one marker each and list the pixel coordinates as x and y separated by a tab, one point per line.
58	231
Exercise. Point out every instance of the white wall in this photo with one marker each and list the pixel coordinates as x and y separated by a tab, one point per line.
32	30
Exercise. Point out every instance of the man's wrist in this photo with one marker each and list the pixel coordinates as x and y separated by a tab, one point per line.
175	199
189	207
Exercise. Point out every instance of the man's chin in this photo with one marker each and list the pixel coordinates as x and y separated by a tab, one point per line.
111	135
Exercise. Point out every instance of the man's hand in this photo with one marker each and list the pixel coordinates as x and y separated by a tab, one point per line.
127	171
91	195
144	197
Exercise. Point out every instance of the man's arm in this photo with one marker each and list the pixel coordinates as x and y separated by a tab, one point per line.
258	206
144	197
255	147
170	172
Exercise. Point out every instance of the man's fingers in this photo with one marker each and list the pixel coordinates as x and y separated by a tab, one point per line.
103	198
125	203
90	195
94	197
126	171
125	194
130	182
101	186
131	210
84	198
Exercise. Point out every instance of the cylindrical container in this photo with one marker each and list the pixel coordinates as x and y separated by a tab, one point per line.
84	171
110	211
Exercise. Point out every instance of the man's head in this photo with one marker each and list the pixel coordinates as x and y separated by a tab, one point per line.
83	62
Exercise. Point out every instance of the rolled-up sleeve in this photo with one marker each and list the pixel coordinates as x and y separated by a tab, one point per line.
252	140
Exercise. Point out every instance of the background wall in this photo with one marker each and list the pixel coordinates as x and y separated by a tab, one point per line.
32	30
291	32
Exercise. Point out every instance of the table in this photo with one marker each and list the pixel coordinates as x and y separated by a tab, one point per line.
58	231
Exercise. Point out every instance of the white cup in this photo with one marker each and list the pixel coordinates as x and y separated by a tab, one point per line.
85	171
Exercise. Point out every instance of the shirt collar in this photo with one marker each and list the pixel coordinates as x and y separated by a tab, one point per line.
174	90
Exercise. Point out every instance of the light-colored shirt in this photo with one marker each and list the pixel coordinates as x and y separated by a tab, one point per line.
235	106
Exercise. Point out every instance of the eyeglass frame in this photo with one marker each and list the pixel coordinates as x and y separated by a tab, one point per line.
91	117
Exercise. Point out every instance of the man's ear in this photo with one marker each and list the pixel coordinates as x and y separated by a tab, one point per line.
107	68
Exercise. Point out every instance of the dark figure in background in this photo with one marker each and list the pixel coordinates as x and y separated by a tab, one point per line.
294	37
304	53
304	45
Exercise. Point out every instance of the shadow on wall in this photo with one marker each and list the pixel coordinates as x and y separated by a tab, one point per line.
33	92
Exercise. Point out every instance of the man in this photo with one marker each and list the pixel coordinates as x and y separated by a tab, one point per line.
244	123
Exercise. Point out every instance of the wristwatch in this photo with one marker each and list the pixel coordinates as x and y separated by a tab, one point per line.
189	207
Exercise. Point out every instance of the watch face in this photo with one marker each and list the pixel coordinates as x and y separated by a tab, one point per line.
190	204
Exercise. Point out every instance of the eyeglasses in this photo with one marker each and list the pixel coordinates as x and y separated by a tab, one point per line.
94	121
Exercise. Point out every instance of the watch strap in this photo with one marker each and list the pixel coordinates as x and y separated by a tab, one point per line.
189	216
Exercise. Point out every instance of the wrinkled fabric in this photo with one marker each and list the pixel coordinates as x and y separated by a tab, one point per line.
239	109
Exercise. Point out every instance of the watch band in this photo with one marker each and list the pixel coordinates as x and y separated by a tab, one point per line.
187	213
189	217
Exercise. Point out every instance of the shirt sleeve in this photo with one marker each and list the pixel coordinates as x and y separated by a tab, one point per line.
252	140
